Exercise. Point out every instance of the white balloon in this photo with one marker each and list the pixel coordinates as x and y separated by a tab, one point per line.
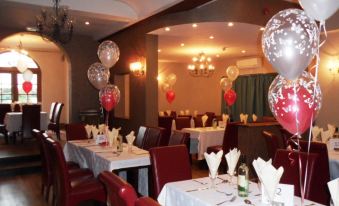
319	9
108	53
21	65
28	75
232	72
171	79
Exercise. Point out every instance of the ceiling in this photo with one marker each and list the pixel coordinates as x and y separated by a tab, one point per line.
109	16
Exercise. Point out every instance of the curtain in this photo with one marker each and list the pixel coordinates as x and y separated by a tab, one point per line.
251	96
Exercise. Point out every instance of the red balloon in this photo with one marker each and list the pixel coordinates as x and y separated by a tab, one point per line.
294	108
230	96
170	96
109	97
27	86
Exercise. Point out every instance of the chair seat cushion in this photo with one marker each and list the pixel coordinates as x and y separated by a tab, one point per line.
87	187
80	173
214	149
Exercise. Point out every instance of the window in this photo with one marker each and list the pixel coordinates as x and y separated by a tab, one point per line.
11	79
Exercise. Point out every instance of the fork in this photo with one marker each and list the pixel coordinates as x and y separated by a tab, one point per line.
230	200
227	194
203	183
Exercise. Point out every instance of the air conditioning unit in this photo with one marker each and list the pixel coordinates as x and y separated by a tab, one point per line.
249	63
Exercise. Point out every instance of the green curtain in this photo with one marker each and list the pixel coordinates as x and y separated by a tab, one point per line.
251	96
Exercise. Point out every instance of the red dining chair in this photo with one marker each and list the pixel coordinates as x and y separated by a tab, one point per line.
166	123
211	116
198	120
179	137
146	201
71	192
47	178
164	172
153	138
182	122
4	108
30	120
75	131
230	142
54	125
319	190
119	192
272	143
289	160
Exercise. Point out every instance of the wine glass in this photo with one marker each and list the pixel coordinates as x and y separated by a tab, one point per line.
213	176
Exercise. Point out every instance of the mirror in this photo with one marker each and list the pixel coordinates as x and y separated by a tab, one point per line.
122	109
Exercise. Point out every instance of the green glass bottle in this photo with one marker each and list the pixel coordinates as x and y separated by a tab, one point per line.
243	177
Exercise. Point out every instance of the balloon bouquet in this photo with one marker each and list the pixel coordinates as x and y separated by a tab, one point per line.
98	74
167	87
27	76
290	41
230	96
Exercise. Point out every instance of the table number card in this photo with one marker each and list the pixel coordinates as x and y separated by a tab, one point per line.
334	144
100	139
283	194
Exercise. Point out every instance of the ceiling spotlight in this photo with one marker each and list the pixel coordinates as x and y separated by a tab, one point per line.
159	50
230	24
262	28
217	55
194	25
87	22
211	37
167	29
182	44
243	51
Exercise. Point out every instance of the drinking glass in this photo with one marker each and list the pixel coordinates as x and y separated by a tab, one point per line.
213	175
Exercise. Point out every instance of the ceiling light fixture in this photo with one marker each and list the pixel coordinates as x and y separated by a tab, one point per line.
137	68
201	67
211	37
262	28
194	25
230	24
243	51
182	44
57	24
87	22
167	29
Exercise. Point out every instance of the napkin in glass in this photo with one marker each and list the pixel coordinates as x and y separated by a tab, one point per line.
187	112
88	129
174	126
232	158
325	135
95	132
213	161
331	128
254	117
182	112
245	118
334	190
113	135
268	175
195	113
192	124
241	117
161	113
315	133
102	128
130	138
225	117
204	119
168	112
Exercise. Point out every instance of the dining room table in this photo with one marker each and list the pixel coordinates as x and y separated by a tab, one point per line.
13	121
101	158
197	192
333	158
204	137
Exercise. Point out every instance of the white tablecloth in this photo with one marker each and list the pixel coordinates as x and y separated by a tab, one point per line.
176	194
100	158
13	121
333	157
206	137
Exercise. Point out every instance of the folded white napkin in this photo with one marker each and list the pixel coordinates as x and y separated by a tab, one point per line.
161	113
213	161
182	112
168	112
245	118
195	113
331	128
174	126
225	117
187	112
334	190
241	117
113	135
95	132
192	124
268	175
88	129
204	119
325	135
315	132
102	128
254	117
130	137
232	158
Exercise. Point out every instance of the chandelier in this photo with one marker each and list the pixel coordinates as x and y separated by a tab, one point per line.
201	67
56	24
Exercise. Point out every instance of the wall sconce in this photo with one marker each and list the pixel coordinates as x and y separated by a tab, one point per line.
333	66
137	68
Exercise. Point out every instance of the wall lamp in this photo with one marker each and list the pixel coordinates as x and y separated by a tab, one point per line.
137	68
